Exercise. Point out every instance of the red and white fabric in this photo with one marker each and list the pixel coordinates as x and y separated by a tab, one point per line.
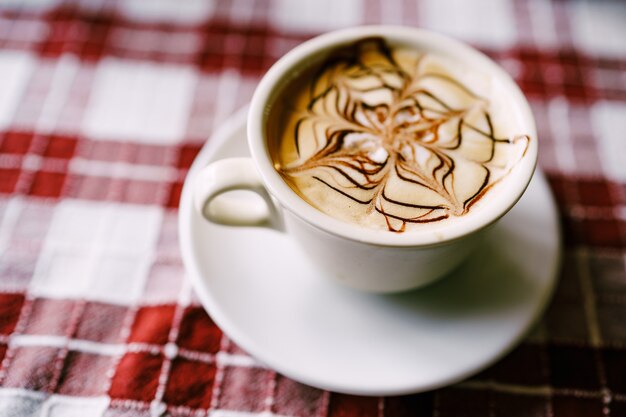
104	105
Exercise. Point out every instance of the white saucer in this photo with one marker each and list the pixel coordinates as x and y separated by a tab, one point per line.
260	290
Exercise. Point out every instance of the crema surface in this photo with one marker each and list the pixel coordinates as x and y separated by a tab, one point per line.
393	138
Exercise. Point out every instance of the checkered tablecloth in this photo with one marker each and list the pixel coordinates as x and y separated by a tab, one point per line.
104	105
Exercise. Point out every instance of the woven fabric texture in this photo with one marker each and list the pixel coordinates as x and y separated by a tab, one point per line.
103	107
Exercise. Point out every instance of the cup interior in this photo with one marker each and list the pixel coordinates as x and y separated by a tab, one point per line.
464	58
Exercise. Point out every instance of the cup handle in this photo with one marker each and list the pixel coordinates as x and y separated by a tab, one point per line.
232	174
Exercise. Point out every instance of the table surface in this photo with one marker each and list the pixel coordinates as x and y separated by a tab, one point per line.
103	107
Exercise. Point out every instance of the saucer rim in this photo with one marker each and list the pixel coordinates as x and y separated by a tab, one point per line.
221	136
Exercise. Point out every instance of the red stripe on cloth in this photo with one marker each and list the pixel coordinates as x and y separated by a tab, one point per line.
212	45
570	190
292	398
47	184
82	374
342	405
186	155
568	72
8	180
3	351
52	177
10	307
62	146
101	322
15	142
136	376
31	367
219	43
49	317
152	324
245	388
190	384
198	331
587	214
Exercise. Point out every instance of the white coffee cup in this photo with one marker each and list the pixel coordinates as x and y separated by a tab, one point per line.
360	257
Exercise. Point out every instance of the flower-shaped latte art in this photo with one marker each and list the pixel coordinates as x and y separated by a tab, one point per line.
397	137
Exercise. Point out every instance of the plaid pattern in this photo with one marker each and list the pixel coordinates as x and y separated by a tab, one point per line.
103	106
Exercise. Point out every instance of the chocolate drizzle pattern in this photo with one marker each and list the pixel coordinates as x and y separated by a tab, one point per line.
396	137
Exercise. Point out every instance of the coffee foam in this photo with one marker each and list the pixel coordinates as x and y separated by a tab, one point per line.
393	138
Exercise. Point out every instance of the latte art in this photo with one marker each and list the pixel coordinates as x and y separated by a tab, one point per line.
389	138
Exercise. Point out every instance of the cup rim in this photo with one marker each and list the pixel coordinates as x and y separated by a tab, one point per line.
448	231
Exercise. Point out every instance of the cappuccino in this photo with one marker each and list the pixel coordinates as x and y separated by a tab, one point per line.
394	138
